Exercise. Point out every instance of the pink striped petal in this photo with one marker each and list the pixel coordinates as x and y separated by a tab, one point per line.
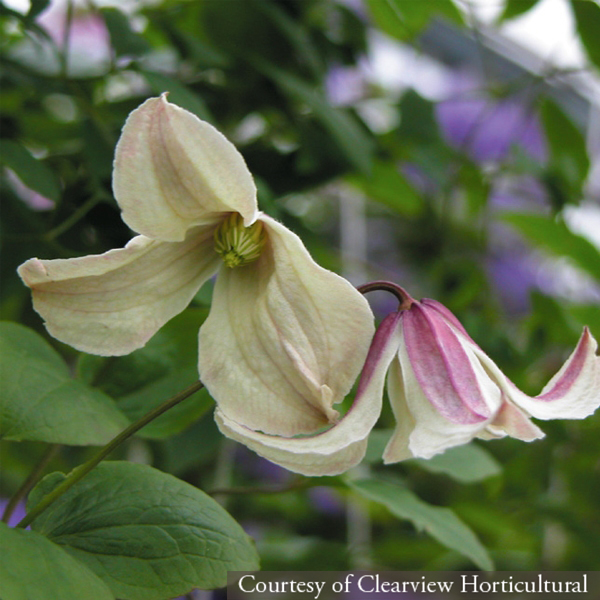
574	392
440	361
448	315
423	430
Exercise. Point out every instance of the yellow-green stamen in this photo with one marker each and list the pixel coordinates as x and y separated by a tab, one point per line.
238	245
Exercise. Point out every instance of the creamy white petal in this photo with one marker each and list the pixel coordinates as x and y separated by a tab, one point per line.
343	445
113	303
397	448
433	433
173	171
285	339
511	420
573	393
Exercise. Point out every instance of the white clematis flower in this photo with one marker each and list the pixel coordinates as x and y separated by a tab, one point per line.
285	339
445	390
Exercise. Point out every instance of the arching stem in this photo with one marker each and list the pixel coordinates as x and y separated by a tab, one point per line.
80	472
404	298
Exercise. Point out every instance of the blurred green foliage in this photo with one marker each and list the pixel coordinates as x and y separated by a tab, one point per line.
262	71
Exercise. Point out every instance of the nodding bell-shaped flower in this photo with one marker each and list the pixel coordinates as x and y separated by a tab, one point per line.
285	339
445	390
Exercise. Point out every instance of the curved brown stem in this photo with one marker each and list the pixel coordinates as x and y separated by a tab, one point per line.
404	298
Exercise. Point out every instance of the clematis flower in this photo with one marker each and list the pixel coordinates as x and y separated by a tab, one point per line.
285	339
444	390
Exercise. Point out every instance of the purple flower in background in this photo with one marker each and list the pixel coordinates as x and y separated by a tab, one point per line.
87	40
31	198
344	85
512	267
513	276
487	129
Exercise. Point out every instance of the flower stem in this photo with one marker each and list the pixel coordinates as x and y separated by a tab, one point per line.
405	299
78	473
31	480
74	218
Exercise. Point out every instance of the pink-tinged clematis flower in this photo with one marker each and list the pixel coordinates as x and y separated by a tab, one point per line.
285	339
445	390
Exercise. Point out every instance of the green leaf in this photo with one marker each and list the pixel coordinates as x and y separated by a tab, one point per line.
297	35
440	523
40	401
124	40
555	237
146	534
569	161
178	94
353	141
402	19
515	8
467	464
587	17
145	378
32	172
387	185
31	566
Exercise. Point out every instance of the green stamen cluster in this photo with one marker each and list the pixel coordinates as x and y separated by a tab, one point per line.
238	245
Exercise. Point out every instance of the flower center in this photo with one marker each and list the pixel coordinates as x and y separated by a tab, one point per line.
238	245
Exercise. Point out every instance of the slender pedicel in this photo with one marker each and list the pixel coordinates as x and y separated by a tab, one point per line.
404	298
81	471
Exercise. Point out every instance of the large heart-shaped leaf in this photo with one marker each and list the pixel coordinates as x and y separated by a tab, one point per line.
148	535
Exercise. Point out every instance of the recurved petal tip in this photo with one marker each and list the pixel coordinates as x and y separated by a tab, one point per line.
574	392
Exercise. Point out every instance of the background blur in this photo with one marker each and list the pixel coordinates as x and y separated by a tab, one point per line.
451	147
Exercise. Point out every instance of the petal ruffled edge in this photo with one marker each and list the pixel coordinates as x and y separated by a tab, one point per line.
113	303
343	446
173	171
